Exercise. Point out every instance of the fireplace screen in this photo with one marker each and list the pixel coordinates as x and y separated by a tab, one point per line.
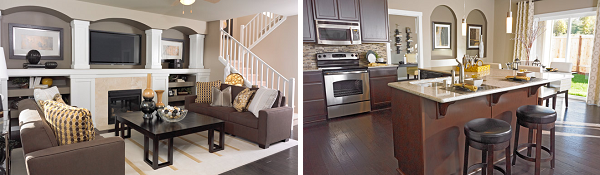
123	101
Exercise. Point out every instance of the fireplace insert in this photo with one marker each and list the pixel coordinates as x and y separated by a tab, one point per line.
122	101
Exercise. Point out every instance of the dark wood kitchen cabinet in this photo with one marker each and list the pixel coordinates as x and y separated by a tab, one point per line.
315	106
380	91
336	9
308	23
374	21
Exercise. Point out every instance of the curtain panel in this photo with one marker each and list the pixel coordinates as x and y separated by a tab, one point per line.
524	23
593	97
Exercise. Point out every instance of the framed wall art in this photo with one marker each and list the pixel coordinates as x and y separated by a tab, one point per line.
473	36
23	38
442	35
172	49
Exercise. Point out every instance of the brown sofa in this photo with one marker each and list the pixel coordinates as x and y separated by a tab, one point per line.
43	155
272	125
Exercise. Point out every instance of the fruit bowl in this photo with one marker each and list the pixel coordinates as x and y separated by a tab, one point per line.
172	114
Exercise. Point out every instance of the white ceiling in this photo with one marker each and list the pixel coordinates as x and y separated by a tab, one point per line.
207	11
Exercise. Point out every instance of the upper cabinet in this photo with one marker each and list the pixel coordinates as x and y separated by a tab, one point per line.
374	21
336	9
308	22
372	14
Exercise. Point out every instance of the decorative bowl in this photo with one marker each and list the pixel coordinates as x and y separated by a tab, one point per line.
170	117
549	68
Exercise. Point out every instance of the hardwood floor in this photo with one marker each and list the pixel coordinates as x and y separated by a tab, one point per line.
362	144
284	162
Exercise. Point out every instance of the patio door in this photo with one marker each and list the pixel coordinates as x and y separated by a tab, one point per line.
569	37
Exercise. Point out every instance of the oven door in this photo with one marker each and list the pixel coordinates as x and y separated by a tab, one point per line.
338	34
346	87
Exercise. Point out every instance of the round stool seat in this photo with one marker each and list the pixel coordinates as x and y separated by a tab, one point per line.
488	130
536	114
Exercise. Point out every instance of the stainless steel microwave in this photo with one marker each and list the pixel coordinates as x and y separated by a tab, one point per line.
338	32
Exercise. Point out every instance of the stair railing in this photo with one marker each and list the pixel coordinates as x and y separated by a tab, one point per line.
239	59
259	27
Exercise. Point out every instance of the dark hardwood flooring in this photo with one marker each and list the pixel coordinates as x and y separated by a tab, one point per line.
284	162
362	144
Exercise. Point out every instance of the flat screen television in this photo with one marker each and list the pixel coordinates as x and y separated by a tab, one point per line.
114	48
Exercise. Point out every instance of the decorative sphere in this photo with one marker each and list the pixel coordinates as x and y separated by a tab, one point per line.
47	81
33	57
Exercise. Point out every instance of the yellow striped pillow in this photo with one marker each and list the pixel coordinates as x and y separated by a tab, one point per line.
70	124
204	90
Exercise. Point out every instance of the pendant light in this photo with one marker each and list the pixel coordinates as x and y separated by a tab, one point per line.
186	2
464	20
509	19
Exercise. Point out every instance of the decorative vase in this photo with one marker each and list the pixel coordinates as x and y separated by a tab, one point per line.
148	106
47	81
51	65
159	93
33	57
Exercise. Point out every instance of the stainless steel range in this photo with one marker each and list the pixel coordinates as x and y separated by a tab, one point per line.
346	84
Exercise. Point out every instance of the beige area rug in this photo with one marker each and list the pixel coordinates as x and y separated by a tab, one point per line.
191	156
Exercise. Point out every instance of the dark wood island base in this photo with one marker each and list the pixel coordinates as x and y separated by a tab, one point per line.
428	135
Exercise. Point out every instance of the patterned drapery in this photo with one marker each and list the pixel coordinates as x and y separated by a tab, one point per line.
593	97
524	23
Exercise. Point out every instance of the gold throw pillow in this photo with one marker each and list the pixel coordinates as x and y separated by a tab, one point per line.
70	124
204	90
242	100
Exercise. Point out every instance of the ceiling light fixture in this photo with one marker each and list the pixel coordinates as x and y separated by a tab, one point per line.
464	20
509	19
187	2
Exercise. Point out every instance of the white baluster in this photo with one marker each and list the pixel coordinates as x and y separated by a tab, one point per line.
273	78
278	81
284	83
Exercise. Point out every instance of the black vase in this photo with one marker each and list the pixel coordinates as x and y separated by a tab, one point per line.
33	57
148	107
51	65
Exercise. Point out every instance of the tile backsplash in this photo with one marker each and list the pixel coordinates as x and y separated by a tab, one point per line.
311	50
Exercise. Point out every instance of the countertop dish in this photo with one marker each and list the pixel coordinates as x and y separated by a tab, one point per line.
433	90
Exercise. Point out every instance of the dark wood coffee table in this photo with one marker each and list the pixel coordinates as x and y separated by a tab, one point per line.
159	130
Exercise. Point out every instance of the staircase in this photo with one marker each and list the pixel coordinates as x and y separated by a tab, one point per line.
259	27
238	58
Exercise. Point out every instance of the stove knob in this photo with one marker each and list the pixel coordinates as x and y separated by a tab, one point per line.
318	56
352	55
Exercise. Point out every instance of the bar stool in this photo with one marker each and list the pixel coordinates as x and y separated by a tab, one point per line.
539	118
487	135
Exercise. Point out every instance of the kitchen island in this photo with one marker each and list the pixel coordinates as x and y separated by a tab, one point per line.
428	118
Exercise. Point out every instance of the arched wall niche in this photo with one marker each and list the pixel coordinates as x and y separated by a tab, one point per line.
36	16
444	14
122	26
45	10
179	33
476	18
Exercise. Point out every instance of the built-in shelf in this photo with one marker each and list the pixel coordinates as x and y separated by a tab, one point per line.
181	84
17	92
179	97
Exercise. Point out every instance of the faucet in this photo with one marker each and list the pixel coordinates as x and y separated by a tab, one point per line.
461	76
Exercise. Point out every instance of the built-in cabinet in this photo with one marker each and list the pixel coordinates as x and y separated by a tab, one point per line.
308	22
374	21
380	91
336	10
372	14
315	106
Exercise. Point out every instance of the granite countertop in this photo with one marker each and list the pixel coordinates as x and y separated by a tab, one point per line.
389	65
496	80
443	69
311	70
